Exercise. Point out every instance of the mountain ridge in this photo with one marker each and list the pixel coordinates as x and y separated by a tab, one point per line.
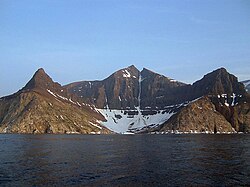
128	101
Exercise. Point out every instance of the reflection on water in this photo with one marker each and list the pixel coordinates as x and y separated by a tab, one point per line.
124	160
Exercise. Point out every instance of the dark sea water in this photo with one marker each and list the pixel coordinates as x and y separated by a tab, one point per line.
124	160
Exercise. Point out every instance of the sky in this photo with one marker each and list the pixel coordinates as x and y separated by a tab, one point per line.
77	40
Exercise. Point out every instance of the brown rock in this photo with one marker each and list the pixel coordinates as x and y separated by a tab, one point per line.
198	116
43	106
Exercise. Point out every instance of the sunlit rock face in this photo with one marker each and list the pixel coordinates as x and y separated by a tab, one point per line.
44	106
198	116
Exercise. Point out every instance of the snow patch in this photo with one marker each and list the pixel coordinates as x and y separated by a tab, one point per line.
122	122
72	132
51	92
172	80
93	124
126	73
233	96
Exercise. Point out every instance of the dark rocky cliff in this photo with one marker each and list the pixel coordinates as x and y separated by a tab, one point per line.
119	90
126	87
216	83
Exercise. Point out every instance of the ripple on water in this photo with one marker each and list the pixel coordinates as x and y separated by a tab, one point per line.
117	160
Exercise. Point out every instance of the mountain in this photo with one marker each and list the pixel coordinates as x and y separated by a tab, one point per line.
247	85
131	100
128	101
139	101
44	106
119	90
127	89
223	105
216	83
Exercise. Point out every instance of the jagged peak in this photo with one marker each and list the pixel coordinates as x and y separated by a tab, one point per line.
219	73
40	71
221	70
39	80
219	81
132	67
128	72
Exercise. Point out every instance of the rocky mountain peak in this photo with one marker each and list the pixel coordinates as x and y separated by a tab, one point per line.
41	80
129	72
132	67
218	74
219	82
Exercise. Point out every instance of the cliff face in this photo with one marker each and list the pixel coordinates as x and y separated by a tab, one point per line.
158	91
119	90
217	82
43	106
237	113
128	88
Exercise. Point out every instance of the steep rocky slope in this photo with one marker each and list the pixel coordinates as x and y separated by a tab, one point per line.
216	83
226	106
198	116
119	90
205	115
158	91
43	106
125	88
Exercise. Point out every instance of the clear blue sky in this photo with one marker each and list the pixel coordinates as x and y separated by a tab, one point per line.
90	39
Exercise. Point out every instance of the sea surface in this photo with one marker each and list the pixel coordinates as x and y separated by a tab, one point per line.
125	160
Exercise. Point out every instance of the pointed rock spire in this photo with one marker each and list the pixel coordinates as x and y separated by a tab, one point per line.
40	80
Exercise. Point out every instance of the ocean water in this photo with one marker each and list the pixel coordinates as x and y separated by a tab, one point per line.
125	160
